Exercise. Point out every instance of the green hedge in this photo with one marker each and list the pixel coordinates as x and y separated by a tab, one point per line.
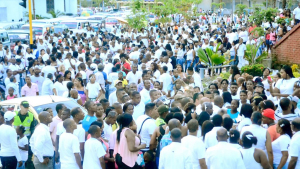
254	70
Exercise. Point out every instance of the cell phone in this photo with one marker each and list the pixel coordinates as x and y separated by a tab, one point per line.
269	78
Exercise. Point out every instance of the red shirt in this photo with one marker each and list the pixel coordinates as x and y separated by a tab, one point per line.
126	65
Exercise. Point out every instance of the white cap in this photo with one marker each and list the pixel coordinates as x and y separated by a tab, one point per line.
94	66
40	37
9	115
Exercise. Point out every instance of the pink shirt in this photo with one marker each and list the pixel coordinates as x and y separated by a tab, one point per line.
129	158
53	127
26	91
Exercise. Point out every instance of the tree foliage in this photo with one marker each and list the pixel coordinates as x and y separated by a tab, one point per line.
55	14
138	19
241	8
259	15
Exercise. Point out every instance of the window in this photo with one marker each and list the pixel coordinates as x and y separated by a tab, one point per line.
50	5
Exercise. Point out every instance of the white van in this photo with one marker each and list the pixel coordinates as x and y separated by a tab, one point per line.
74	24
40	29
11	25
4	38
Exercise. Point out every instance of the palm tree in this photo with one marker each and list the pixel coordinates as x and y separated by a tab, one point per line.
241	8
55	14
252	54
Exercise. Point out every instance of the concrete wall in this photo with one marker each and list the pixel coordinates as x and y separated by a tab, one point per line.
288	48
13	10
205	5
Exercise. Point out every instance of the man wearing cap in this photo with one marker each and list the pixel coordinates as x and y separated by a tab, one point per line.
10	154
269	119
162	111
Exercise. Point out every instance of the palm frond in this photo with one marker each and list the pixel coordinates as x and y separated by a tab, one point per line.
202	56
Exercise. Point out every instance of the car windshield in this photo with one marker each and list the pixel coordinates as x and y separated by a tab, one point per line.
38	30
57	30
21	36
71	25
69	104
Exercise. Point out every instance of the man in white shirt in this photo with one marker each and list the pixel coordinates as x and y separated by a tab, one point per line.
138	105
195	145
48	87
175	155
146	124
134	55
9	152
145	93
294	149
41	143
93	150
108	122
165	79
218	104
296	14
197	78
49	69
223	155
211	137
133	76
69	146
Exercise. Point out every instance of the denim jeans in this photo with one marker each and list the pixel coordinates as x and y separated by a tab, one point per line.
234	62
180	62
188	64
196	60
22	167
275	166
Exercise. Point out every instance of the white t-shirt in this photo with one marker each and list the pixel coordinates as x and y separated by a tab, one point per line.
60	88
107	131
294	149
93	150
67	64
197	148
80	133
133	78
280	144
296	12
49	69
83	74
147	128
47	87
286	86
93	89
167	80
60	129
241	49
68	145
21	143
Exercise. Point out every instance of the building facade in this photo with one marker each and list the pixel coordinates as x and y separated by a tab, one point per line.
11	10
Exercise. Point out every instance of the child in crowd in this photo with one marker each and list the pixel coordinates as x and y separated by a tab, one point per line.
23	145
11	94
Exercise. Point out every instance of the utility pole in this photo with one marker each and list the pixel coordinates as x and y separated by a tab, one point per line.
23	4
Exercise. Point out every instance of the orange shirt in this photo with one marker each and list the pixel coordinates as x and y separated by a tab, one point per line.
273	133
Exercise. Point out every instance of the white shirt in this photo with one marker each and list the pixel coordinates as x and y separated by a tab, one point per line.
68	145
47	87
107	130
280	144
224	156
113	98
259	132
241	49
41	143
67	64
197	80
296	12
166	79
211	137
8	142
133	78
13	68
286	86
147	129
294	149
175	156
60	88
145	96
93	150
138	110
79	133
93	89
21	143
197	148
38	80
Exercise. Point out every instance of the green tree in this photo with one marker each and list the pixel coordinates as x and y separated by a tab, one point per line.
55	14
250	54
138	19
217	5
241	8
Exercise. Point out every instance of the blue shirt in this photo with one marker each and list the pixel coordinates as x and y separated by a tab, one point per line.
165	140
87	121
233	116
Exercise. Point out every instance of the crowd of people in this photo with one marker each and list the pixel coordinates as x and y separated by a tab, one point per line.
145	101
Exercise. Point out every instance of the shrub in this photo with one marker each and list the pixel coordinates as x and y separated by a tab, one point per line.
225	75
254	70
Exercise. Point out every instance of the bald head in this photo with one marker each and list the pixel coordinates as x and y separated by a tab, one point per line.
68	124
296	124
218	100
222	134
206	105
176	135
193	125
204	99
174	123
44	117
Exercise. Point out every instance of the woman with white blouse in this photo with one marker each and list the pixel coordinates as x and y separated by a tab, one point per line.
281	144
284	86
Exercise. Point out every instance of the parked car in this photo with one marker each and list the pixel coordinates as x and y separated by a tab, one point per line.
19	35
38	103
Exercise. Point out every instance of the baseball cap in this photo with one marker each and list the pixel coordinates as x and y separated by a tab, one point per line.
270	113
93	66
259	84
9	115
67	47
118	81
257	79
25	104
162	109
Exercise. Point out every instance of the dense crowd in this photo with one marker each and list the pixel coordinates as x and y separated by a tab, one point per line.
145	101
